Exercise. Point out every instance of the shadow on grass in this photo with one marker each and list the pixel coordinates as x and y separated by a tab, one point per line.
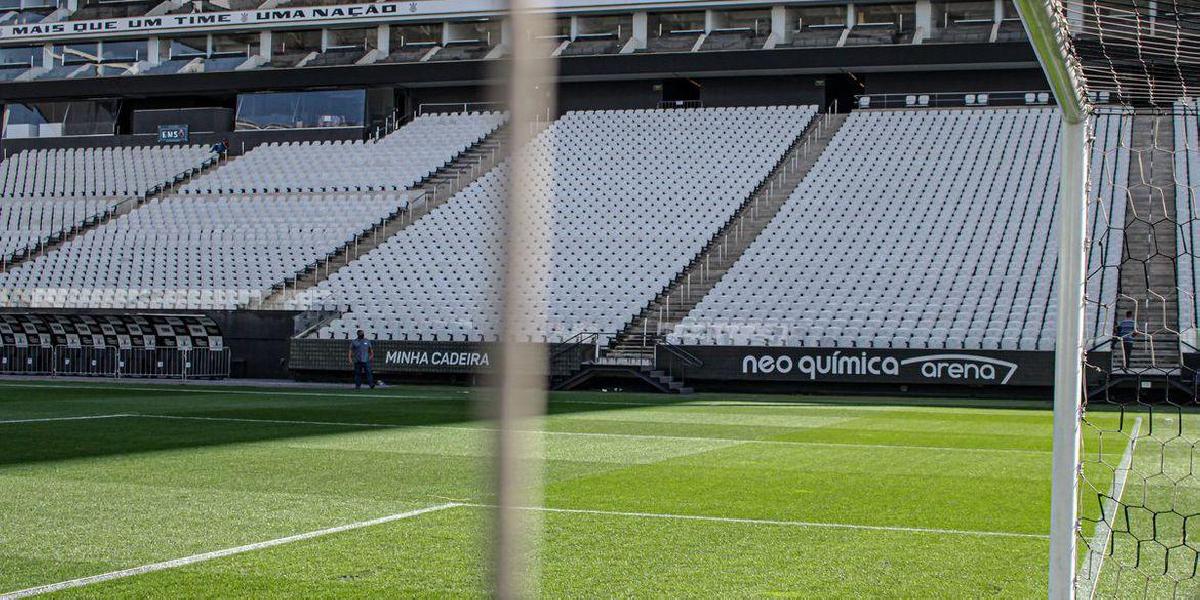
331	411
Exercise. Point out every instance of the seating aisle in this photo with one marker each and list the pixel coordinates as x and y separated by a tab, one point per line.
634	196
917	229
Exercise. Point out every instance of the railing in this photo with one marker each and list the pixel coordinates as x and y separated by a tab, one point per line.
676	362
953	99
113	362
351	249
681	104
573	353
735	228
390	124
459	107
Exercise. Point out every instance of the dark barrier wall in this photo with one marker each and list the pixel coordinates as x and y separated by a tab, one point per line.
723	363
882	366
393	357
258	341
198	120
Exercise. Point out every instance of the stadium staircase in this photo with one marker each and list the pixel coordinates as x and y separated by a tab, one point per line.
431	192
1148	280
638	340
116	211
577	362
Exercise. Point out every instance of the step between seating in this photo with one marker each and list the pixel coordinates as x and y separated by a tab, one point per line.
691	284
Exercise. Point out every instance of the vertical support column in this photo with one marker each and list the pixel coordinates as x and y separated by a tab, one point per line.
264	45
1068	360
851	16
923	16
641	30
781	24
383	39
711	19
153	51
574	27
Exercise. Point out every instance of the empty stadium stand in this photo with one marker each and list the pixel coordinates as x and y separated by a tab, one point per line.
692	284
49	195
635	195
430	193
942	239
195	252
393	163
224	250
97	172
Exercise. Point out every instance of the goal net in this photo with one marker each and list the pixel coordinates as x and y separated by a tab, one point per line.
1125	508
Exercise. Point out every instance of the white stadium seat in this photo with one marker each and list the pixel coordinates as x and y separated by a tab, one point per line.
634	197
916	229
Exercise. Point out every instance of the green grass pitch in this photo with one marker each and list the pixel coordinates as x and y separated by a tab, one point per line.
816	497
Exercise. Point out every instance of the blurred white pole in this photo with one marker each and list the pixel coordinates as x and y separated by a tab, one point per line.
522	366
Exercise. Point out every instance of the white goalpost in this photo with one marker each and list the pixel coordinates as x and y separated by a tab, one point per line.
1047	38
1126	299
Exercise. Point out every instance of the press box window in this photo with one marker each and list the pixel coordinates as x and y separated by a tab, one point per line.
298	110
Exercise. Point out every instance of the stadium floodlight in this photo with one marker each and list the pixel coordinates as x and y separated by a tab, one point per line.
1140	59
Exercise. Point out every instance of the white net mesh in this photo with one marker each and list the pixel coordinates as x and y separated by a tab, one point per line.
1136	67
1140	495
1136	51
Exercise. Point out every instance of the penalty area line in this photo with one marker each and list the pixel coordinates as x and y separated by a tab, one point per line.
76	418
777	523
1089	575
207	556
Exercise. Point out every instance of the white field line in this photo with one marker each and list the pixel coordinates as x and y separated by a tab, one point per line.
1089	574
595	434
767	522
78	418
207	556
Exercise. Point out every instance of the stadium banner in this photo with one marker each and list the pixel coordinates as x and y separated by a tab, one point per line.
871	365
172	134
395	356
373	13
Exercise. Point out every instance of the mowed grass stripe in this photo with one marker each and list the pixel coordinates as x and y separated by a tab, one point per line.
415	453
207	556
740	402
444	555
588	434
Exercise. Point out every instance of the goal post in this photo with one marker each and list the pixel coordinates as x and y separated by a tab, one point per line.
1049	39
1125	75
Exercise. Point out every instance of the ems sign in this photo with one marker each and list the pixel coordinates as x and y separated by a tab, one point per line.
172	134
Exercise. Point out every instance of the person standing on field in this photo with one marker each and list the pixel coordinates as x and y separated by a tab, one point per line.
361	355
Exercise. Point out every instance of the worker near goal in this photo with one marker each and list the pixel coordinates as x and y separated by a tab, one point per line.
361	355
1125	329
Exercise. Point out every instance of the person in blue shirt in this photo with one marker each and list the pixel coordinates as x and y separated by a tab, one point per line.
361	355
1125	329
